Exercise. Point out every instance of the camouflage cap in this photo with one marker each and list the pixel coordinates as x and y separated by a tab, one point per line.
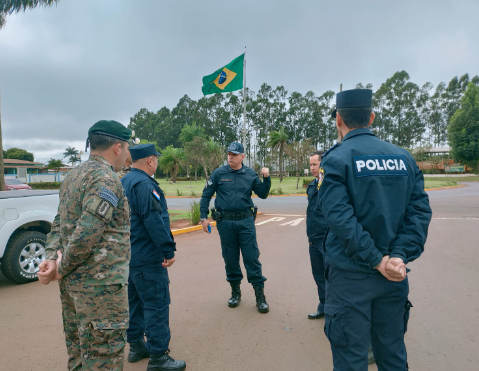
112	129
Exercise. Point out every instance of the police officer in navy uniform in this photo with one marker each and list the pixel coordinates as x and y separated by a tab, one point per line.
234	209
316	227
374	202
152	252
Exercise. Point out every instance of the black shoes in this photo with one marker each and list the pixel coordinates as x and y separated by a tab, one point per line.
371	359
235	299
317	315
261	303
164	362
137	352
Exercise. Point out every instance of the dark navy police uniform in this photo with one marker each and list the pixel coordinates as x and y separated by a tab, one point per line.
373	199
236	228
316	227
151	243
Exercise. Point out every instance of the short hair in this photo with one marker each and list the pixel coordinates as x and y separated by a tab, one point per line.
319	153
100	142
355	117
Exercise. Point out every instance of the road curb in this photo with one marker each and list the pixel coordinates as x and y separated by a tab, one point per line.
440	188
190	229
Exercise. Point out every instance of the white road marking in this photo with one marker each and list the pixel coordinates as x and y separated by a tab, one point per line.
459	218
275	219
293	223
283	215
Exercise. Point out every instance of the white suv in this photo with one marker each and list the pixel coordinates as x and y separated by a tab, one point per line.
26	218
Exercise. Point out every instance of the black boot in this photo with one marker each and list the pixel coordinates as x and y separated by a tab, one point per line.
261	303
235	299
163	362
137	352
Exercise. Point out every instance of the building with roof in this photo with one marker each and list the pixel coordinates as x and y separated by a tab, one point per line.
21	169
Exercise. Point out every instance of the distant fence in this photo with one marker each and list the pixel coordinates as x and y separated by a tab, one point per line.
39	178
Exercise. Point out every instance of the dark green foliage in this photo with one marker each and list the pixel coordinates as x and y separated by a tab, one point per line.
14	6
45	185
463	129
18	154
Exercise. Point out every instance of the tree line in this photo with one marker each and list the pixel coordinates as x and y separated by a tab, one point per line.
407	114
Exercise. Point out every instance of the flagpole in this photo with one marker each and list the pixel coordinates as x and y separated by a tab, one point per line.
244	99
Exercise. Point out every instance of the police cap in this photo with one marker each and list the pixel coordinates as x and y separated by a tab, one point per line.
143	150
355	98
236	148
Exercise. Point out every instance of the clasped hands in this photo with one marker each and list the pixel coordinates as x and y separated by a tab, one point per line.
48	270
393	269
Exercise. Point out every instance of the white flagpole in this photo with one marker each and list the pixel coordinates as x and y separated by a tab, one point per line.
244	101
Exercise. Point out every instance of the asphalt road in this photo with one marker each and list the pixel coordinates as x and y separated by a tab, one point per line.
444	285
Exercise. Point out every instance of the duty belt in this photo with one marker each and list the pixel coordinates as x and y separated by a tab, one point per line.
236	215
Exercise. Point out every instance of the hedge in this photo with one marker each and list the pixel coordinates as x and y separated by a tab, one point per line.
45	185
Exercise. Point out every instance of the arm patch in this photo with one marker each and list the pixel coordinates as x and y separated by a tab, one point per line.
108	195
103	208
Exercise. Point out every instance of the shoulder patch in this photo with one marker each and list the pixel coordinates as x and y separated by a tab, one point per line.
155	194
320	177
109	196
103	208
208	183
380	165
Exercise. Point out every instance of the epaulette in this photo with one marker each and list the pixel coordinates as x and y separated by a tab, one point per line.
329	150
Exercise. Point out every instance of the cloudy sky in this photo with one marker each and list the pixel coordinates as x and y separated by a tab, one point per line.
66	67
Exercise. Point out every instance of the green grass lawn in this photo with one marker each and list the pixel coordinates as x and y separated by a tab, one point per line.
287	186
178	215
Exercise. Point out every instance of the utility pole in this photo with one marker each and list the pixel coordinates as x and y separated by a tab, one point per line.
2	171
340	90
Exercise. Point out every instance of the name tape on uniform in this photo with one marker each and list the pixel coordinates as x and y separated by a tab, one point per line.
395	165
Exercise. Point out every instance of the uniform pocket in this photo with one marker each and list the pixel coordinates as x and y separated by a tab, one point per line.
407	308
334	323
107	337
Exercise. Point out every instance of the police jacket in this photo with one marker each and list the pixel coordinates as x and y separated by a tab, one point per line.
316	225
373	199
151	238
233	189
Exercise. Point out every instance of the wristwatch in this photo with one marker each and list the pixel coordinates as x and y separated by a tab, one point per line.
202	219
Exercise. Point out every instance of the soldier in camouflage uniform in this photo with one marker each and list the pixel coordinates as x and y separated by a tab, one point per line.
126	168
90	237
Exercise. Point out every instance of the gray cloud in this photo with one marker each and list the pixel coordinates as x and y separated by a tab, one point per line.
64	68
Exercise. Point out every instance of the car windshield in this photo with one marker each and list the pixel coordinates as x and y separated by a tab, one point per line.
13	181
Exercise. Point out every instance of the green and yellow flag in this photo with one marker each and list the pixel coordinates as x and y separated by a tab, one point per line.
227	78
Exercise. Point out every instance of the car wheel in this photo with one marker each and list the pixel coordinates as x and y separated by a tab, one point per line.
25	251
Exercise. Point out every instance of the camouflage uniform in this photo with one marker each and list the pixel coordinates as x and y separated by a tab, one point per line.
124	170
92	229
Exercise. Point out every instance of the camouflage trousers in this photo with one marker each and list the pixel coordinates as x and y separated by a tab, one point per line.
95	322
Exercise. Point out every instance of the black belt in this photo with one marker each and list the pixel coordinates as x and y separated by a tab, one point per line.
236	215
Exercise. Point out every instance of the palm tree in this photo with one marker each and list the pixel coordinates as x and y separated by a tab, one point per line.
72	153
278	140
9	7
171	159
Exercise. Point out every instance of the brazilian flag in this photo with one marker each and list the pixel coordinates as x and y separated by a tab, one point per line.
227	78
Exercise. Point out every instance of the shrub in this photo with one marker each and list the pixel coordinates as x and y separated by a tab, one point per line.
280	191
306	182
178	192
272	192
193	193
45	185
194	212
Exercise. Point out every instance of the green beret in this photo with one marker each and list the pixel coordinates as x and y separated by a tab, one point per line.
112	129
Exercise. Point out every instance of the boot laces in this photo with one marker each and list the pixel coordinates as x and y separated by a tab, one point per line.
168	357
